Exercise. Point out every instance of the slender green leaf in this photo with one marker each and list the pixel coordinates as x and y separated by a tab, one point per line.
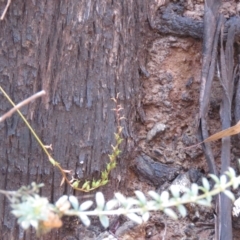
74	201
204	203
85	219
141	197
111	204
85	185
154	195
215	178
134	217
232	173
86	205
206	184
182	210
236	183
121	198
61	201
229	194
194	189
145	216
209	198
175	191
104	221
170	213
223	179
100	201
165	196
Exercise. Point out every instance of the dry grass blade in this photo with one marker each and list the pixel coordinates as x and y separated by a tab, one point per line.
5	10
21	104
225	133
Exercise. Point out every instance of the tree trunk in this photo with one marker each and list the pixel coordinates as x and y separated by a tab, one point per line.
82	53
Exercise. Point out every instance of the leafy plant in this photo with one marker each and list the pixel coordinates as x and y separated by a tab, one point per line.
33	210
87	186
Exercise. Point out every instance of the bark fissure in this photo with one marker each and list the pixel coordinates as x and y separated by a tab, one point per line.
82	53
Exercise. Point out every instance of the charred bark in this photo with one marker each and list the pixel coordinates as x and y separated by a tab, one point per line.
82	53
170	20
154	172
227	78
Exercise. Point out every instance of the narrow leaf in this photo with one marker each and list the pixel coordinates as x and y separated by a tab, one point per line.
134	217
204	203
232	172
182	210
154	195
229	194
85	219
85	185
104	220
236	183
170	213
141	197
215	178
111	204
194	189
52	161
62	182
121	198
61	201
209	198
164	196
223	179
145	216
74	201
175	191
75	184
206	184
100	200
225	133
86	205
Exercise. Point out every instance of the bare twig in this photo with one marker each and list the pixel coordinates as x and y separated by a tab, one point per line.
21	104
165	231
5	10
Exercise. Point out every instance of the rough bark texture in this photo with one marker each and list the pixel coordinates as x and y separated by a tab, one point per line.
82	53
170	20
85	52
154	172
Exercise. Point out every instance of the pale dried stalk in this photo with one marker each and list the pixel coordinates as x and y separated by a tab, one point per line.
5	10
21	104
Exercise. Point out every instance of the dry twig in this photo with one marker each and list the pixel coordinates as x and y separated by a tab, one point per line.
21	104
5	10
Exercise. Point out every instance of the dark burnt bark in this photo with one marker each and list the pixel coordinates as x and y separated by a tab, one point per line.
82	53
153	172
228	76
170	20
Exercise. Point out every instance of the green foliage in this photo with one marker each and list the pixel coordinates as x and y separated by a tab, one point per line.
75	183
33	210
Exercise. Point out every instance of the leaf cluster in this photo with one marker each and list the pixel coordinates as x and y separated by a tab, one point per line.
36	211
87	185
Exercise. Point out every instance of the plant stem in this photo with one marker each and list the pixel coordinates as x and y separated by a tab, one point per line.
26	122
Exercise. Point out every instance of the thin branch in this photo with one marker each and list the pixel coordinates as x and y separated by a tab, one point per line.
5	10
21	104
165	231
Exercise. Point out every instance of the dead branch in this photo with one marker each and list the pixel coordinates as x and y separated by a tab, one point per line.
5	10
21	104
170	20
